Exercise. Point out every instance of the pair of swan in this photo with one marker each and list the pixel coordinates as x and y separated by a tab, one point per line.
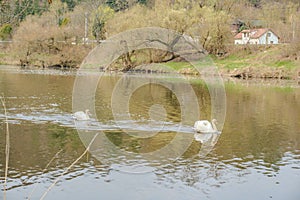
82	116
201	126
204	126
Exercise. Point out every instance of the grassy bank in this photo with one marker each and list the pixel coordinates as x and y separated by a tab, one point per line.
258	56
252	62
261	62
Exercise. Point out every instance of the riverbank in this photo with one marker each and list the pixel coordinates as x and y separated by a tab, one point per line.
275	61
252	62
241	62
270	82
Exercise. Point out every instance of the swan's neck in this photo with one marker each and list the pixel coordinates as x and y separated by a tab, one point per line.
87	114
214	126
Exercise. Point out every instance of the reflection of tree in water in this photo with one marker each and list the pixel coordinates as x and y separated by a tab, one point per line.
36	145
204	100
61	135
148	95
172	99
240	151
262	125
201	174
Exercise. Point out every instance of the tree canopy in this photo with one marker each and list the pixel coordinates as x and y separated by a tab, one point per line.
208	21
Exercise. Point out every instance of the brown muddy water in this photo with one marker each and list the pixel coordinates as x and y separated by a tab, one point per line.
256	156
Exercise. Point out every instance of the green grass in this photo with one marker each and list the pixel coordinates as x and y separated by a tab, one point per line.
203	62
286	89
2	55
285	63
232	62
178	65
271	57
233	65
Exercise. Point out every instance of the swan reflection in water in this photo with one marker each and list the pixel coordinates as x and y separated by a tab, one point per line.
208	141
206	133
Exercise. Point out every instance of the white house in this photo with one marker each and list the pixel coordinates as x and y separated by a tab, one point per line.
256	36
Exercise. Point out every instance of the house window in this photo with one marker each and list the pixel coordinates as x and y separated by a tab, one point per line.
272	42
269	34
246	34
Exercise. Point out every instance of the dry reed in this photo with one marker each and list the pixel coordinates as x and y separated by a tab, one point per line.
44	170
68	168
7	146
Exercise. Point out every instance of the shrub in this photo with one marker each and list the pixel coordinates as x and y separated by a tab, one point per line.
5	31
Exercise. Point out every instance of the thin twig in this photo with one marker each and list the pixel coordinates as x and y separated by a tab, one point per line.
29	196
68	168
52	160
7	146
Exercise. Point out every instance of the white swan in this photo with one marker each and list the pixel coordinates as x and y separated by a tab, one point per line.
82	116
204	126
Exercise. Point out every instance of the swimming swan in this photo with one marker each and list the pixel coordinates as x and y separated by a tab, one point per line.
82	116
204	126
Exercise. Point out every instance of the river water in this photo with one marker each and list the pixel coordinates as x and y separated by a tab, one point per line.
256	155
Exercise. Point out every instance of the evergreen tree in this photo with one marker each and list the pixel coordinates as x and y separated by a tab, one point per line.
4	12
144	2
29	7
256	3
117	5
71	3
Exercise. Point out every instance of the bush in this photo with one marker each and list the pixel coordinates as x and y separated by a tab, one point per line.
40	41
5	31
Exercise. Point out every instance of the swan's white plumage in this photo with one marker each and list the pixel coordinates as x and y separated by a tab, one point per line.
81	116
204	126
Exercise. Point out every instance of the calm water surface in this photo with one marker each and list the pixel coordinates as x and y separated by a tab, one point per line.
257	156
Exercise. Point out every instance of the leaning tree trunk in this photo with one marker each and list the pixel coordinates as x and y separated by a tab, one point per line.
127	63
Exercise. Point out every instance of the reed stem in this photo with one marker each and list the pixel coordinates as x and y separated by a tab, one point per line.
68	168
7	147
44	170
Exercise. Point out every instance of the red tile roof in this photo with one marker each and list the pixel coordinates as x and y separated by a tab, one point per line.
254	33
238	36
